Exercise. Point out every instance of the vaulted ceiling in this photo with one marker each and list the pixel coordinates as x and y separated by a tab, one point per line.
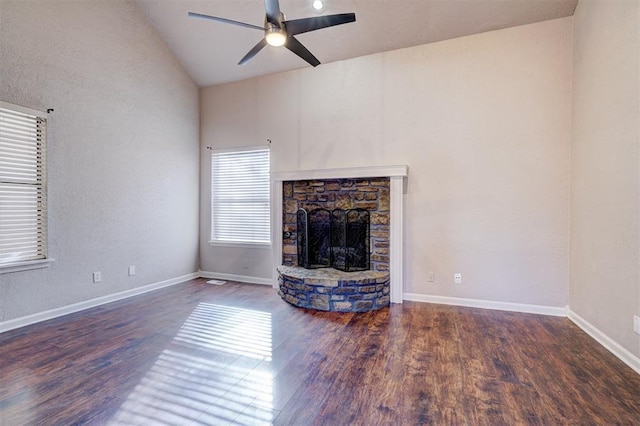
211	50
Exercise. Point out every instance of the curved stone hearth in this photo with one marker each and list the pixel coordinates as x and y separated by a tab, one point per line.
328	289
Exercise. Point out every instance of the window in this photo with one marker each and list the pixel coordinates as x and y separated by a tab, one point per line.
240	197
23	191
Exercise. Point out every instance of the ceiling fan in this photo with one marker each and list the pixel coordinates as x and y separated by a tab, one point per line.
280	32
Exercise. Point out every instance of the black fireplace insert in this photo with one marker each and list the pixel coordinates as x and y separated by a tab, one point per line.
334	238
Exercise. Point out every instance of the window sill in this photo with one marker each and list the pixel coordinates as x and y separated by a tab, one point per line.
239	244
25	266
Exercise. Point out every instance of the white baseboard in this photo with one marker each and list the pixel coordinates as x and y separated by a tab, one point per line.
616	349
487	304
234	277
623	354
612	346
80	306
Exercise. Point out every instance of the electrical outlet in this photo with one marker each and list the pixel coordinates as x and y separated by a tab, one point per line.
132	270
457	278
636	324
430	277
97	277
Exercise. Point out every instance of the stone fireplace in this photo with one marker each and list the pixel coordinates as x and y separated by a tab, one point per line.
370	195
317	210
373	192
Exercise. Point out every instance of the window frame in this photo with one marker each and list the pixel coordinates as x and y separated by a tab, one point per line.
241	243
41	153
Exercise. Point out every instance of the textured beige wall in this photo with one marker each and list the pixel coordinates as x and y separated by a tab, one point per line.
123	150
605	209
483	123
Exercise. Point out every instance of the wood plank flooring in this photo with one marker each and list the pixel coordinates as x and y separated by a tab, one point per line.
199	354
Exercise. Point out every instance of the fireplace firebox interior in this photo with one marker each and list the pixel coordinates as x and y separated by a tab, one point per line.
337	238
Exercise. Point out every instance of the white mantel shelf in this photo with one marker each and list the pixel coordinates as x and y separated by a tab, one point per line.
396	174
344	173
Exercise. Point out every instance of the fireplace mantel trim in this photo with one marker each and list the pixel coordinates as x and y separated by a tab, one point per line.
396	175
343	173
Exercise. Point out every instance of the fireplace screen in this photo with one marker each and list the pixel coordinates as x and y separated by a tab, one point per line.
337	238
314	238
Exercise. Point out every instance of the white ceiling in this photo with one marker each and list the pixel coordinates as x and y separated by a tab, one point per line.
211	50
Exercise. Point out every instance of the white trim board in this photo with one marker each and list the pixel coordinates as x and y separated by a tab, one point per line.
343	173
611	345
234	277
91	303
25	266
487	304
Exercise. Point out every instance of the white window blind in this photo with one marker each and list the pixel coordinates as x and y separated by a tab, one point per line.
23	213
240	196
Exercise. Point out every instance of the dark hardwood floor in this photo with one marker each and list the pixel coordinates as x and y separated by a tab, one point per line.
236	354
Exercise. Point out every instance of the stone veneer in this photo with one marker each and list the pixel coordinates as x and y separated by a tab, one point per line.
371	194
328	289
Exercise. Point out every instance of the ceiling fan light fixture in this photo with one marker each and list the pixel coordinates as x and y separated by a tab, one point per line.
278	31
275	36
318	5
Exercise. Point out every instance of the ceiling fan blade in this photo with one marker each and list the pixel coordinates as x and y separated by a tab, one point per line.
296	47
272	8
225	20
299	26
258	47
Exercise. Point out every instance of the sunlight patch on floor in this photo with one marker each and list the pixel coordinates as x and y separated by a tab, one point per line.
216	371
228	329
